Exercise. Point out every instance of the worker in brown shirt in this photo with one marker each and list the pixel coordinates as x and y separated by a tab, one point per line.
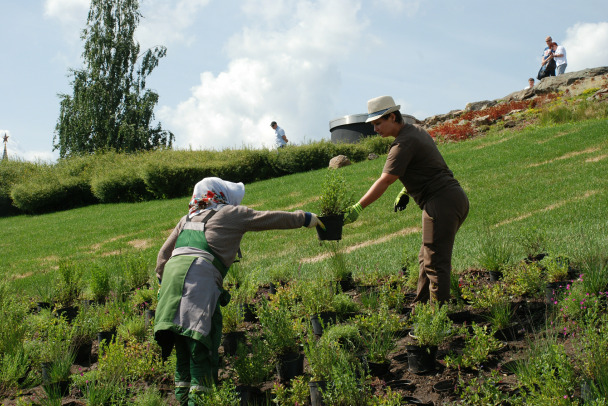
414	159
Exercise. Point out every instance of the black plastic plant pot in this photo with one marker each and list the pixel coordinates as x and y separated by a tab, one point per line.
421	359
333	228
149	317
379	368
444	386
230	341
401	384
507	333
250	395
495	276
316	389
83	353
290	365
107	336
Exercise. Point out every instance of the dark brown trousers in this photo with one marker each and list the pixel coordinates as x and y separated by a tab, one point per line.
442	216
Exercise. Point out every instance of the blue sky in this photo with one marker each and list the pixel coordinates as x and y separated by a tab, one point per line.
232	67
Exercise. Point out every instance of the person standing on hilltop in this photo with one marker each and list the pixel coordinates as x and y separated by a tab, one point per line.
281	140
191	267
414	160
559	55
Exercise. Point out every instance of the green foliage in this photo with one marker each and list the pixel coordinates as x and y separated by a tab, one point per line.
334	197
279	328
233	317
317	295
149	397
251	364
224	394
556	268
564	111
346	384
119	185
431	324
546	374
110	107
295	394
485	391
14	367
378	329
99	282
477	349
13	172
496	252
321	355
347	336
532	240
524	279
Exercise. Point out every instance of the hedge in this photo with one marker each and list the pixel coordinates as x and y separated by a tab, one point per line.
112	177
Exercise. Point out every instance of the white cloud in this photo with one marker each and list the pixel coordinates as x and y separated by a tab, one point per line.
411	7
69	12
286	73
165	22
585	45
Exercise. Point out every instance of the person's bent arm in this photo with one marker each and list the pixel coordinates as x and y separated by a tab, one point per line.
377	189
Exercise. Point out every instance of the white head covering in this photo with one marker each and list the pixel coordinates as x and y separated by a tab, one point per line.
211	192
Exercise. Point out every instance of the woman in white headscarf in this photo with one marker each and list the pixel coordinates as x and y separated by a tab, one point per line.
191	266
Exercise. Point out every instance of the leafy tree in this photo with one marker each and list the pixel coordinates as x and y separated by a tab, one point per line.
111	107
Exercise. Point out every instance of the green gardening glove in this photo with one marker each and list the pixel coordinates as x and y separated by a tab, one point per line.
402	200
352	213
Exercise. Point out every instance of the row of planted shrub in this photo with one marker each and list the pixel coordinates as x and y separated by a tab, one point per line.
111	177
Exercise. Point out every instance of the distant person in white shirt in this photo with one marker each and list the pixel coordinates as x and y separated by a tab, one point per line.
559	54
281	139
530	84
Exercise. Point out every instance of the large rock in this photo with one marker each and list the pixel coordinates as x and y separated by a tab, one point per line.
339	161
574	83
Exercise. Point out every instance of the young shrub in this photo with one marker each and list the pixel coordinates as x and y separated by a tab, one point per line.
334	198
524	279
556	268
347	336
251	364
279	328
477	349
431	324
223	395
496	252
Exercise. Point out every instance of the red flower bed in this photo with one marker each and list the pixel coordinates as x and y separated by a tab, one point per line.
449	131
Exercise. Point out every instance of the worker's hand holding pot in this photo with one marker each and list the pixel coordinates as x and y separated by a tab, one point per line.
314	221
352	213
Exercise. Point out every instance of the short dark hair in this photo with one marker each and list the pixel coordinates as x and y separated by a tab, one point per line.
273	123
398	116
531	79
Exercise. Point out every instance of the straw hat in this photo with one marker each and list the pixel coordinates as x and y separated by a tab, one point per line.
380	106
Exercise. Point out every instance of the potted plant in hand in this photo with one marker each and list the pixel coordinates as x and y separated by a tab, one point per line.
333	202
430	327
279	328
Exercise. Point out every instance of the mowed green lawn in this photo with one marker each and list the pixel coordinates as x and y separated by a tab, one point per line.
551	178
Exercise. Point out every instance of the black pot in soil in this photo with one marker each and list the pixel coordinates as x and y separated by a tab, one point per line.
401	384
83	353
461	316
321	321
274	285
68	312
333	227
445	386
554	290
347	283
108	336
509	333
316	389
495	276
379	368
250	395
410	400
290	365
248	313
231	340
421	359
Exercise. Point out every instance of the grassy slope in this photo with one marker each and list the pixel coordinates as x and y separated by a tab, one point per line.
552	178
